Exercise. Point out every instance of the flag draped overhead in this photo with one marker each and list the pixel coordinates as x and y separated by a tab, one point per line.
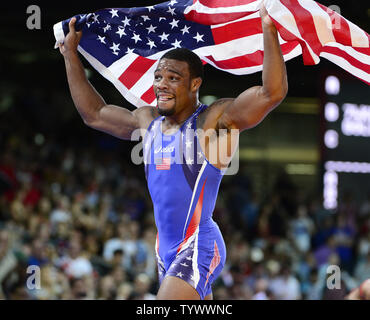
124	44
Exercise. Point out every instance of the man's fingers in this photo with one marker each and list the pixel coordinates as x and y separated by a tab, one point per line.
60	45
72	25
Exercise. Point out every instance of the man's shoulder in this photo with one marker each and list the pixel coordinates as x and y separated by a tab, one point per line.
146	115
222	102
146	112
212	113
218	106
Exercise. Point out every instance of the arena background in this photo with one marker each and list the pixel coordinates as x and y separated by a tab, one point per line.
70	196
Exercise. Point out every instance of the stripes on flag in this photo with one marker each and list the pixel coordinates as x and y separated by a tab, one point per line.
212	12
236	30
126	53
304	22
135	71
148	96
221	3
165	164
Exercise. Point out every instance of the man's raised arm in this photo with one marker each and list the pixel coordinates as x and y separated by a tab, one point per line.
111	119
251	106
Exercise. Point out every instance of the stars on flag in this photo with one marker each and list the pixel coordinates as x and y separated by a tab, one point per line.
126	22
145	34
164	36
121	32
185	29
176	44
174	23
107	27
151	43
95	18
136	37
179	274
114	13
101	39
199	37
171	11
115	48
129	51
151	29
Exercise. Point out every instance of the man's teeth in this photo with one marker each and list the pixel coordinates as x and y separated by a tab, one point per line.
165	98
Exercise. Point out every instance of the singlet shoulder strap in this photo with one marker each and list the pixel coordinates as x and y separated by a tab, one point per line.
200	109
153	121
148	134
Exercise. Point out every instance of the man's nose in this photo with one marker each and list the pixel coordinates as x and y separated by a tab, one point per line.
162	84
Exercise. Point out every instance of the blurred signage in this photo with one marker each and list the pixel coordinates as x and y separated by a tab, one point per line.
345	139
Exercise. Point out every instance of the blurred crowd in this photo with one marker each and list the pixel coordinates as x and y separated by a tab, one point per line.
80	216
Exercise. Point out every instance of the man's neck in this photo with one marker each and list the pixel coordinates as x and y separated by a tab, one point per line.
179	118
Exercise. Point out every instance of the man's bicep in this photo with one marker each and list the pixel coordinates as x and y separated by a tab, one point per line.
116	121
248	109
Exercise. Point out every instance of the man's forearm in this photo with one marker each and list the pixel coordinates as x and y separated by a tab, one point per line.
274	75
87	101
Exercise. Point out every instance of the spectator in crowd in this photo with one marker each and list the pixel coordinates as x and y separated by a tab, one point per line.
261	290
285	286
61	213
107	288
142	288
344	234
124	291
362	269
79	289
75	264
301	229
304	268
323	252
8	260
122	241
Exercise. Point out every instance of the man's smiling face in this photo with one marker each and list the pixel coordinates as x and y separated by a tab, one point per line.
172	86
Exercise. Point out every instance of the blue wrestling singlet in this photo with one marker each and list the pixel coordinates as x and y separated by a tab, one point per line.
183	186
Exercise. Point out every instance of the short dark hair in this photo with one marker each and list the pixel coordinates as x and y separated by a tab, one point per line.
194	62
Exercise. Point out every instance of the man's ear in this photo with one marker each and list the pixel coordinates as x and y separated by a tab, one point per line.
196	83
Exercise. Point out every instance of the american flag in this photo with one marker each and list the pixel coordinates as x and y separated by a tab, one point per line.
165	164
125	44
